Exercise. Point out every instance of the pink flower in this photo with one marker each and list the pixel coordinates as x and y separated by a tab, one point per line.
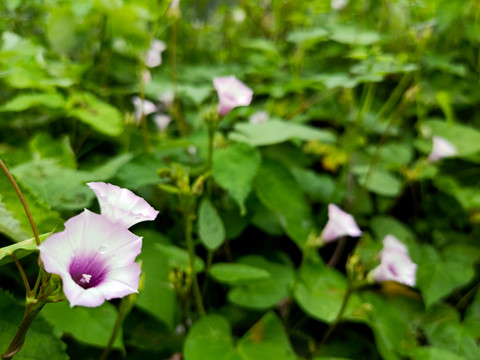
259	117
162	121
121	205
338	4
339	224
154	54
395	263
95	259
231	93
142	108
441	148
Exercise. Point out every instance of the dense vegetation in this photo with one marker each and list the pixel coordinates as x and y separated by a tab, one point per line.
347	99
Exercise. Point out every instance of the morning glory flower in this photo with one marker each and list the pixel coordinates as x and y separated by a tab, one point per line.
121	205
162	121
395	263
154	54
338	4
231	93
95	258
143	108
339	224
441	148
259	117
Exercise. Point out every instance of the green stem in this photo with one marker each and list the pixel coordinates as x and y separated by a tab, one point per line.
22	274
31	313
334	325
113	335
22	200
191	264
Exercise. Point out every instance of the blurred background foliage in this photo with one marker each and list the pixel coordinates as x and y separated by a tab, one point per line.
353	95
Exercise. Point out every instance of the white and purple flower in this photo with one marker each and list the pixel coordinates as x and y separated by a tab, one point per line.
395	263
441	148
142	107
154	54
95	258
121	205
339	224
231	93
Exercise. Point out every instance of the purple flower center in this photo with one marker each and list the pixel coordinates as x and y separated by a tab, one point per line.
392	269
87	271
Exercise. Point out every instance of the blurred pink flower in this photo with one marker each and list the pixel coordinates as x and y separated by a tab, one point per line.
142	108
338	4
154	54
395	263
231	93
339	224
162	121
121	205
441	148
259	117
95	259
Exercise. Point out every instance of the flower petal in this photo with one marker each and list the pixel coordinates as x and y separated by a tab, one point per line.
339	224
231	93
441	148
122	205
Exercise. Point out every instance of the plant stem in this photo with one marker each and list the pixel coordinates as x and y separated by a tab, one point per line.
191	263
31	313
333	327
22	200
113	335
23	275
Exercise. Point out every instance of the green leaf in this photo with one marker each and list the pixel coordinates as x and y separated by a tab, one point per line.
309	36
319	291
178	257
13	221
157	297
237	273
42	342
21	249
444	330
92	326
277	131
438	277
26	101
391	323
210	226
279	192
44	146
263	294
234	169
64	188
432	353
466	139
383	225
100	115
378	181
266	340
210	338
353	35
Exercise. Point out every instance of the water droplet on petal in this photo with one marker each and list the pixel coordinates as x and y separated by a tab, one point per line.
102	249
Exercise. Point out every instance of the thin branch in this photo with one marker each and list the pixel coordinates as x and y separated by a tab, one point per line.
22	274
22	200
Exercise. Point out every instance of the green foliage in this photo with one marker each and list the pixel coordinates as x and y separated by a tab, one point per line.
90	326
234	169
42	340
211	338
210	226
351	96
266	293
